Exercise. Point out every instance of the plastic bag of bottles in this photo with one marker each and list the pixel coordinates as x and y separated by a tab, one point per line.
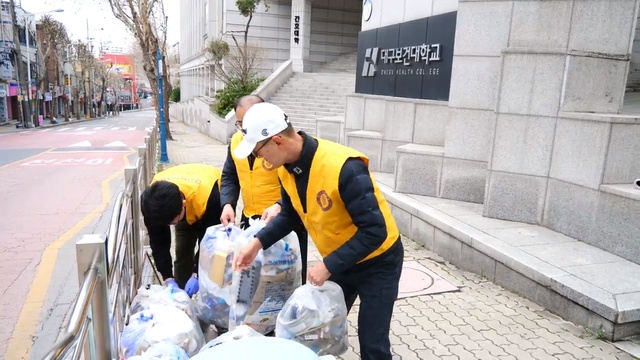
161	295
316	316
160	324
258	294
215	274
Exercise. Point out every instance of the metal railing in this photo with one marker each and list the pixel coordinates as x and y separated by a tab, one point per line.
109	270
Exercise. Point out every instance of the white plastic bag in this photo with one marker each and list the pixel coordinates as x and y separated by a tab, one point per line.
258	294
240	332
161	295
160	324
165	351
316	316
215	274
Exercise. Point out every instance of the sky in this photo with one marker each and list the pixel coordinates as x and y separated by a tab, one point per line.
102	25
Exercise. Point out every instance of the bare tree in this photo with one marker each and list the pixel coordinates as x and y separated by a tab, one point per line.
147	21
102	71
87	64
236	66
138	61
54	39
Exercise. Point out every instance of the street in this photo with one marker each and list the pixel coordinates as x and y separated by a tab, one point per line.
57	185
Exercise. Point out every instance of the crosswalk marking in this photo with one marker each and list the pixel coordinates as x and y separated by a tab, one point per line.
85	143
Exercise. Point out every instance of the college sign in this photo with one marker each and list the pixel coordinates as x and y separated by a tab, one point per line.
411	59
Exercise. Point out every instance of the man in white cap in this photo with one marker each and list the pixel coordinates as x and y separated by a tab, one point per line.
328	186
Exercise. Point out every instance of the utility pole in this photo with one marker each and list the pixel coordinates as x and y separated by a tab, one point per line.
164	158
25	114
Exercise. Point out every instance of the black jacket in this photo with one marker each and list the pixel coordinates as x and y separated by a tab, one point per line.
160	235
357	193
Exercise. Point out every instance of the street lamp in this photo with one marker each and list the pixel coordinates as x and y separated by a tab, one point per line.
27	28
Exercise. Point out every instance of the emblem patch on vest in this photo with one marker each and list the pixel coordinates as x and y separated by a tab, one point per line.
324	200
267	165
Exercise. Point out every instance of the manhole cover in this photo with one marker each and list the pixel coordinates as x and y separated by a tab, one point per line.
418	280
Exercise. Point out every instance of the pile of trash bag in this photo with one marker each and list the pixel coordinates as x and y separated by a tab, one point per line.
165	323
162	351
316	316
160	324
240	332
163	295
215	274
259	293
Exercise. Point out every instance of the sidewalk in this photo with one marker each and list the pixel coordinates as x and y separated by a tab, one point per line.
480	321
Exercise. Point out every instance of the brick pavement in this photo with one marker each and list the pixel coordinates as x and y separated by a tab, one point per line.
481	321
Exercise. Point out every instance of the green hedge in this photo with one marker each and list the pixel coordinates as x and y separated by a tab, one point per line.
175	94
226	98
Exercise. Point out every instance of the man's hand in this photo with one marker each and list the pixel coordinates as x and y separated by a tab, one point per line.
192	286
318	274
170	282
246	255
271	212
228	215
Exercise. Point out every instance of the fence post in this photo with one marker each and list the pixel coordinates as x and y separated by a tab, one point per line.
144	157
131	177
91	252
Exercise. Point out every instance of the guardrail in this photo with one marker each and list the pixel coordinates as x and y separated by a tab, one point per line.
110	269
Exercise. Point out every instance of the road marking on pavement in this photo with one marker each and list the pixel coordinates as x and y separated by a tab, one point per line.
85	143
116	143
25	159
22	337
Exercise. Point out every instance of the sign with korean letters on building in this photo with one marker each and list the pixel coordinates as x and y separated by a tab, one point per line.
412	59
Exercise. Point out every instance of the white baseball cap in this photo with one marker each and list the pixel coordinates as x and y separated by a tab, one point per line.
261	121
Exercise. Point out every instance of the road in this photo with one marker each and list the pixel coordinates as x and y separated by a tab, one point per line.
57	184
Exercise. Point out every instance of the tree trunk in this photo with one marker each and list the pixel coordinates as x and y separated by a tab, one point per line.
67	108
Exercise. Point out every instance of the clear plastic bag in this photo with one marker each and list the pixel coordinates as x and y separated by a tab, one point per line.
161	295
160	324
258	294
215	274
240	332
316	316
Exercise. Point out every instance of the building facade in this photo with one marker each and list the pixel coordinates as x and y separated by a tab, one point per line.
10	90
308	32
516	105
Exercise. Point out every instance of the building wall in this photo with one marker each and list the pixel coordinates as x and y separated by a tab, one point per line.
270	29
633	82
334	29
389	12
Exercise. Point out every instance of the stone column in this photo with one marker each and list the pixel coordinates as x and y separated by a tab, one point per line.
482	31
300	34
564	59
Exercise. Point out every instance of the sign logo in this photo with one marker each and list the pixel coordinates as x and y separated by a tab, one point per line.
264	132
324	200
267	165
370	62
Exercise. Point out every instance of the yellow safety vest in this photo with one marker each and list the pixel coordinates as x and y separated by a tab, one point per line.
327	220
259	187
196	182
